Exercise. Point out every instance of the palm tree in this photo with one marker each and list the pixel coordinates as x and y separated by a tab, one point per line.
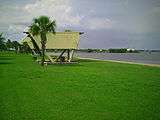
41	26
36	47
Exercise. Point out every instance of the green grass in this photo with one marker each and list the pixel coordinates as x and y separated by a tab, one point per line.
90	90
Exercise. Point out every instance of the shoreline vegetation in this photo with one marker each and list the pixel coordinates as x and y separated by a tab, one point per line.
124	50
111	50
91	89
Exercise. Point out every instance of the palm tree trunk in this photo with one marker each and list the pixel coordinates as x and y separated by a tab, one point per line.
36	47
43	43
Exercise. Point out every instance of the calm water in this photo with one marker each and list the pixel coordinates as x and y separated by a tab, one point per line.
143	57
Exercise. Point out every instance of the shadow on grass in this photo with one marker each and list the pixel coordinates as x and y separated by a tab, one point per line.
5	60
77	63
4	63
66	65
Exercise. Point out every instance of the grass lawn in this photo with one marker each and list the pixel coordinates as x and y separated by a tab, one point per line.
90	90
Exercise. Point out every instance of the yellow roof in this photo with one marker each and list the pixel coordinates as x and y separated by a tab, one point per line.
60	40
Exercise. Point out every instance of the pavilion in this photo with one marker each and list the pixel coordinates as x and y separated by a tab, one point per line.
63	41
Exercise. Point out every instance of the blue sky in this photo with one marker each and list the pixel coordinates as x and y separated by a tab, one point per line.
106	23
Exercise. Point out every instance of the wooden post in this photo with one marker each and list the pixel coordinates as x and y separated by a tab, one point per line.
33	52
50	58
68	55
60	55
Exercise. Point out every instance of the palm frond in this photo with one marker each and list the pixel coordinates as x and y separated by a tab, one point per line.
35	20
51	27
34	29
43	21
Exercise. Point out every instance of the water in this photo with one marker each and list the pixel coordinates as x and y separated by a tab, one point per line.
143	57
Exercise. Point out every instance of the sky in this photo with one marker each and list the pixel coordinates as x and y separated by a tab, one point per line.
106	23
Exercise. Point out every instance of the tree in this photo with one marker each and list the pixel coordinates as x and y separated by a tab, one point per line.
41	26
9	44
16	45
24	48
2	42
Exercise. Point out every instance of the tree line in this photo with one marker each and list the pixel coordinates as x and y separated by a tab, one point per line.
8	45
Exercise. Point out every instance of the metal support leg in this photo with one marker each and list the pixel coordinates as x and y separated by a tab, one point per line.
71	55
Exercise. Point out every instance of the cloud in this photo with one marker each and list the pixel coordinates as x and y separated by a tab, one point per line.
16	28
99	23
126	2
60	10
146	23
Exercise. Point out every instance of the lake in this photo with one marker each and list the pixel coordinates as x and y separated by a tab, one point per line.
142	57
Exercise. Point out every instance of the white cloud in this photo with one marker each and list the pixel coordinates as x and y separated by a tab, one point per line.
99	23
60	10
16	28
